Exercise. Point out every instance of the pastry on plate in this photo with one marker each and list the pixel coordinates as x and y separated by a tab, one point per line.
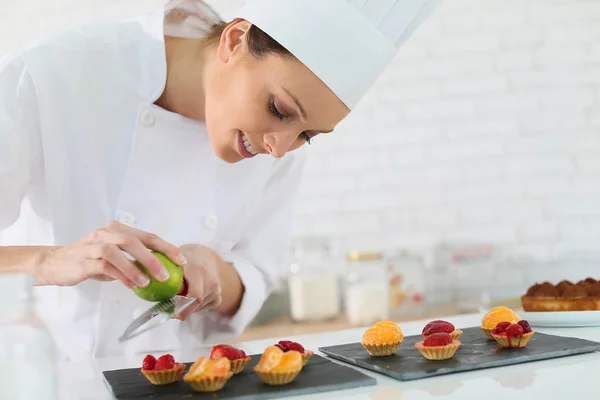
511	335
496	315
382	338
163	371
208	375
237	357
287	345
439	326
564	296
438	346
278	367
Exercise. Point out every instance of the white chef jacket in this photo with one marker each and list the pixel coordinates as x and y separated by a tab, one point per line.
82	143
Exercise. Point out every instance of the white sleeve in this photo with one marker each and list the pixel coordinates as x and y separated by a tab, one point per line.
20	147
259	254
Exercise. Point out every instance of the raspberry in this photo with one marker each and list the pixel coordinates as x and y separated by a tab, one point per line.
296	346
165	362
285	345
282	347
224	350
437	326
525	325
437	339
514	330
149	363
501	327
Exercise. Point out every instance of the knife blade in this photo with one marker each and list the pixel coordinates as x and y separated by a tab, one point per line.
157	315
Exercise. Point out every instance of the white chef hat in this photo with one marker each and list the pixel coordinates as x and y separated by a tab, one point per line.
346	43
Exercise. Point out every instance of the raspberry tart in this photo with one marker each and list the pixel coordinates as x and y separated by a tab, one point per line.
564	296
496	315
287	345
382	338
163	371
439	326
208	375
438	346
278	367
511	335
237	357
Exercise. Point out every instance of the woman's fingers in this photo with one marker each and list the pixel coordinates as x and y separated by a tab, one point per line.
152	242
109	242
103	271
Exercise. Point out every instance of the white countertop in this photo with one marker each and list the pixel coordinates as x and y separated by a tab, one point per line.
551	379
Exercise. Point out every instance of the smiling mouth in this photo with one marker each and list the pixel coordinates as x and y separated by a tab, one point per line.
244	147
248	146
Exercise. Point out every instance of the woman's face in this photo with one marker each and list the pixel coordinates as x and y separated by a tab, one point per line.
263	106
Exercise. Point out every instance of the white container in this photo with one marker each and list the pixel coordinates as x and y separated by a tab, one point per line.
366	289
314	297
28	367
313	282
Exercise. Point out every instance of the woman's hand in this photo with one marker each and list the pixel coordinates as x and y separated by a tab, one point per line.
202	278
101	256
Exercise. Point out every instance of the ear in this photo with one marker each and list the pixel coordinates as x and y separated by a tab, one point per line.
232	39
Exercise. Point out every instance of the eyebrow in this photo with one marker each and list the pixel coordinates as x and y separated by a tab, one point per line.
302	111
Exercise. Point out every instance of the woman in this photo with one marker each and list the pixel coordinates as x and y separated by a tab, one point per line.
129	136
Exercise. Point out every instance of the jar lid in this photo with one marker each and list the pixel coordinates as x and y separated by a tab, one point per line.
364	256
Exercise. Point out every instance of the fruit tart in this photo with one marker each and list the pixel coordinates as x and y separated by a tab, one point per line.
382	338
287	345
511	335
208	375
278	367
163	371
564	296
438	346
496	315
439	326
237	357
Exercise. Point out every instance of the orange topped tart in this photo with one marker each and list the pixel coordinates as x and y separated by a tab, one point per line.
278	367
439	326
438	346
209	375
382	338
512	335
564	296
287	345
496	315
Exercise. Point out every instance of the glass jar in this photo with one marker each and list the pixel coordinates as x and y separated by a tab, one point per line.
366	288
313	281
28	368
407	285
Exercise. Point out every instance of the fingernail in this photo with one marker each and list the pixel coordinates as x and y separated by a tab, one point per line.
181	260
163	275
143	280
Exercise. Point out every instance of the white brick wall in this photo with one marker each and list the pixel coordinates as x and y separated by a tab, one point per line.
485	127
494	108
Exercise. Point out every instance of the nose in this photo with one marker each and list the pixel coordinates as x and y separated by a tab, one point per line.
278	144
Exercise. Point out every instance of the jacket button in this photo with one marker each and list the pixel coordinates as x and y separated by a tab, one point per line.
126	219
211	222
148	118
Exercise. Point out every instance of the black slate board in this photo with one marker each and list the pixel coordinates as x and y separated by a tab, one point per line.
318	375
476	352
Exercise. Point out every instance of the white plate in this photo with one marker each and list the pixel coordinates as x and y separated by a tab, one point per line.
562	319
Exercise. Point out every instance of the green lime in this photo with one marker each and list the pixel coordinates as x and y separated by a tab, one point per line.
159	291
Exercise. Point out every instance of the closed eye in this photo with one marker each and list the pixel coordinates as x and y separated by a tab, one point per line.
273	109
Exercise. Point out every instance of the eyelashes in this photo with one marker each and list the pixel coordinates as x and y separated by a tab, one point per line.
273	109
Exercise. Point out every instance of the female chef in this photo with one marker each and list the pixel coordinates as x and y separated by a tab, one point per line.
179	133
